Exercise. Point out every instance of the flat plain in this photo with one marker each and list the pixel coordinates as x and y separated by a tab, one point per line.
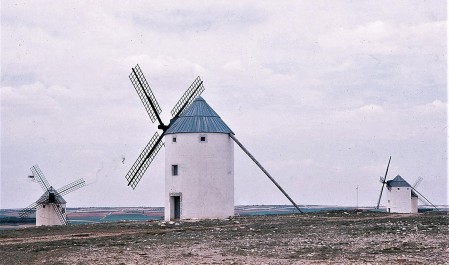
344	237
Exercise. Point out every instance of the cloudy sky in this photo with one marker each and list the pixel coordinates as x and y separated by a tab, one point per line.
321	92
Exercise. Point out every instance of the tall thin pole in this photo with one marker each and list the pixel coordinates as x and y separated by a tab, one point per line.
425	199
357	197
264	171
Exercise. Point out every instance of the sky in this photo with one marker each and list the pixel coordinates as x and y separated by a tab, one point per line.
320	92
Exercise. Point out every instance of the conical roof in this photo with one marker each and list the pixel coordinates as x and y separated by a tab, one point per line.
51	196
199	117
398	181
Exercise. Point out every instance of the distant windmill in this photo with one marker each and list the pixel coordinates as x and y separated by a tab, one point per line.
199	170
50	207
402	197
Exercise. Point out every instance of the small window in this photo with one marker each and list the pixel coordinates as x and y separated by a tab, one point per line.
398	188
174	139
203	139
43	206
174	170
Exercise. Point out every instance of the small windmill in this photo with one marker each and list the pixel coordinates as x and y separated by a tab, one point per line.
50	207
402	197
199	172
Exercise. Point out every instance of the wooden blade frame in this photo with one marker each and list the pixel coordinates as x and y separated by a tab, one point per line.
383	184
144	160
40	178
146	95
417	182
62	217
71	187
28	210
195	89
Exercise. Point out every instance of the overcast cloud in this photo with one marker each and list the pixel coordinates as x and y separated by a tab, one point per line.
321	92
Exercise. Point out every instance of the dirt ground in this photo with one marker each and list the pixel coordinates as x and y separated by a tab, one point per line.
314	238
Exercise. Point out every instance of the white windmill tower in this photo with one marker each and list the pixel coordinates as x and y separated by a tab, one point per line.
50	208
199	159
401	196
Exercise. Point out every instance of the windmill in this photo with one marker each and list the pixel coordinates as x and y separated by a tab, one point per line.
402	197
199	157
50	207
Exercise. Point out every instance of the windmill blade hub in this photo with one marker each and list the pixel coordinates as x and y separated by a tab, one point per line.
163	127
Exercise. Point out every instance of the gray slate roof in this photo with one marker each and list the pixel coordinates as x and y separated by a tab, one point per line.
398	181
45	198
199	117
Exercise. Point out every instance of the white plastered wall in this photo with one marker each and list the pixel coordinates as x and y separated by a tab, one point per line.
205	179
46	215
400	200
414	204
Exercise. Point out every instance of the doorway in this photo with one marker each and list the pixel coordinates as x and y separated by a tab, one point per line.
175	202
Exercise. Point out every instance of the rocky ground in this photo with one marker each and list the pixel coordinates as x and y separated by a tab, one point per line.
327	237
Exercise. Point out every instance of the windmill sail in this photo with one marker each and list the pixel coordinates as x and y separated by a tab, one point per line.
62	217
28	210
144	160
146	95
71	187
383	184
195	89
39	177
417	182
